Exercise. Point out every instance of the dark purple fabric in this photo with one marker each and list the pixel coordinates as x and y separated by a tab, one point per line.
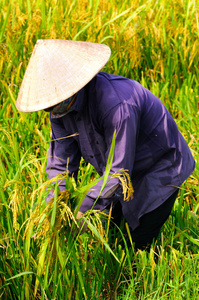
148	143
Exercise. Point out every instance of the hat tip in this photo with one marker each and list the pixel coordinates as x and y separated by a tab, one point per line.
39	41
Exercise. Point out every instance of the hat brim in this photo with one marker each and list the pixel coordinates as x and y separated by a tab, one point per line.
57	70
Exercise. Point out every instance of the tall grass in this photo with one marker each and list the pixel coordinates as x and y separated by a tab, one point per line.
153	42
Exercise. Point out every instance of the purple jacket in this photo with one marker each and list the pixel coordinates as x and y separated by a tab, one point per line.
148	144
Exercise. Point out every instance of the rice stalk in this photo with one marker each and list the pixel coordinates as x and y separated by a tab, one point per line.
126	184
41	220
16	199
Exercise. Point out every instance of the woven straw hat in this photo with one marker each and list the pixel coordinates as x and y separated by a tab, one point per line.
57	70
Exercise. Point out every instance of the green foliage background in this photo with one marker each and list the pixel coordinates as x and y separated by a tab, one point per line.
153	42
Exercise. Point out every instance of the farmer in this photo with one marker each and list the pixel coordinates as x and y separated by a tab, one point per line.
63	77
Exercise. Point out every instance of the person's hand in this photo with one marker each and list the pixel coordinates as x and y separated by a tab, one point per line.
79	215
82	225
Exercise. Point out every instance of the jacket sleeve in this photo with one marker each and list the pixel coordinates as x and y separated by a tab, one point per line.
63	152
124	118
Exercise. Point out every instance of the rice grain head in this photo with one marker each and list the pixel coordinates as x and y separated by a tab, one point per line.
127	186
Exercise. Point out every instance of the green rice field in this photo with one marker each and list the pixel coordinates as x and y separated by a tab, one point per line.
155	42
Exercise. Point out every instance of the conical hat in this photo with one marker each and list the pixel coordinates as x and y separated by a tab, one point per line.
57	70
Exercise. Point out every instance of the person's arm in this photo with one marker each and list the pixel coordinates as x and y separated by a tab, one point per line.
125	120
63	152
